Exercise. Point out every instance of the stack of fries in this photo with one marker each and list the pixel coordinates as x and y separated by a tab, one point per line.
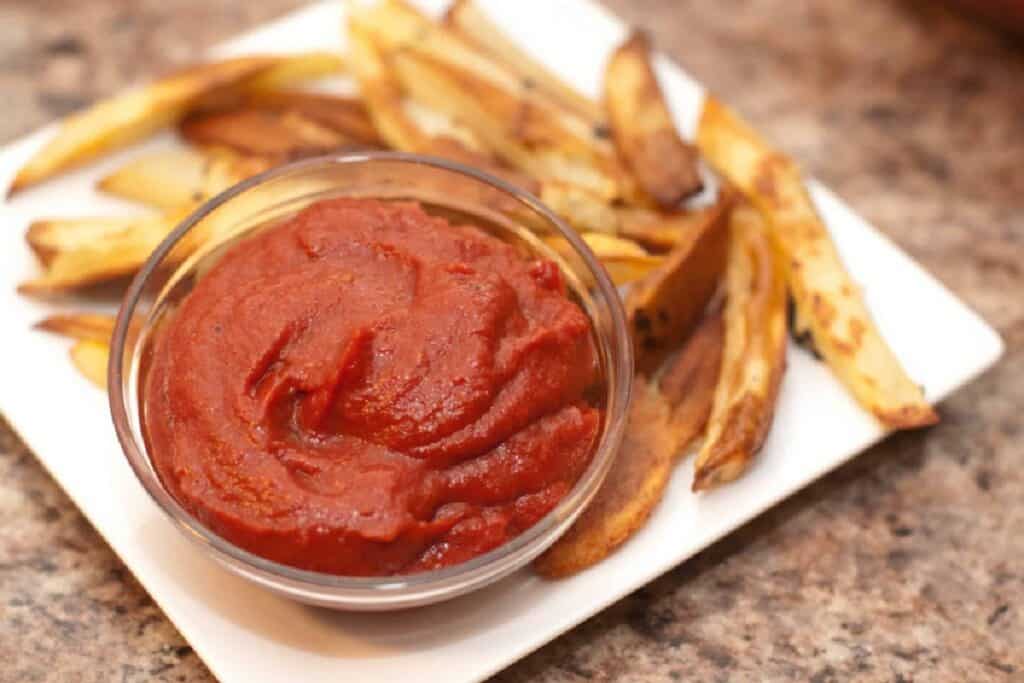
708	288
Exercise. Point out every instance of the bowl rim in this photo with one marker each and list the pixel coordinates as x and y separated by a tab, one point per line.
328	588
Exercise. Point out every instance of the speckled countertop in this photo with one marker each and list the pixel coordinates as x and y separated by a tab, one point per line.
906	564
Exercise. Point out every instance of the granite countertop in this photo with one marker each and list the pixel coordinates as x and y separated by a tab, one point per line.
906	564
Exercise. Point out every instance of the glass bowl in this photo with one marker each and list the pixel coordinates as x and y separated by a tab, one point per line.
442	187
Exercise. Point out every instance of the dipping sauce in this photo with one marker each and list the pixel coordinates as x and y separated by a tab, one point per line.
366	389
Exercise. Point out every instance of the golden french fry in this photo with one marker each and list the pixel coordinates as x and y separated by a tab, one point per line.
442	71
583	210
344	115
688	381
382	94
49	237
467	19
754	356
827	300
90	357
625	261
121	120
291	69
643	129
632	489
664	307
659	231
163	180
98	253
278	135
97	327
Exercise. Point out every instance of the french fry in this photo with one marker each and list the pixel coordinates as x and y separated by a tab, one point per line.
291	69
344	115
643	129
163	180
96	253
97	327
664	307
583	210
657	230
114	123
442	71
49	237
416	129
826	298
624	260
754	356
632	489
688	381
90	358
272	134
467	19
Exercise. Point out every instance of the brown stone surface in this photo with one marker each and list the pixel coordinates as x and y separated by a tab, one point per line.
907	564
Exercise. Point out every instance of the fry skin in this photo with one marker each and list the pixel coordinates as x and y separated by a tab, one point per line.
664	166
827	300
664	307
632	489
688	381
754	355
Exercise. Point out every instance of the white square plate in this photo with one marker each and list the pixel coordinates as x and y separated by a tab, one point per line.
246	634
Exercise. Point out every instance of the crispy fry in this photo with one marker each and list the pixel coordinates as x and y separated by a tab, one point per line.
86	252
625	261
97	327
754	356
633	487
163	180
121	120
272	134
688	381
659	230
468	20
580	208
442	71
90	358
827	300
643	129
296	68
417	129
664	307
344	115
47	238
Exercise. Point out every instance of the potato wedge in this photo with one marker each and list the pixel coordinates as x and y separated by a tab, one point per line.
121	120
344	115
664	166
688	381
442	71
664	307
660	230
754	356
49	237
97	252
90	358
277	135
624	260
468	20
97	327
581	209
826	298
632	489
163	180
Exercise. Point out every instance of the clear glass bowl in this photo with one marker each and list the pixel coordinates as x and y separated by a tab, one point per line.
442	187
